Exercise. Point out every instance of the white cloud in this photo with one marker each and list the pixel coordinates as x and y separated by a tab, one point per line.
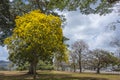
10	0
91	28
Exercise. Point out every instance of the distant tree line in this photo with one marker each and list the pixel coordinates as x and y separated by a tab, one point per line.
84	59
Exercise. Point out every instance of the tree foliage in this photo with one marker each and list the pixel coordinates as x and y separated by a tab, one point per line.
36	36
49	6
101	59
9	10
73	60
6	23
79	50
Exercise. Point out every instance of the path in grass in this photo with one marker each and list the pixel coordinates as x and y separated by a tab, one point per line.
55	75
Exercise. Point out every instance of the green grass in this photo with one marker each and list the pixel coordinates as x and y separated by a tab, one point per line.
55	75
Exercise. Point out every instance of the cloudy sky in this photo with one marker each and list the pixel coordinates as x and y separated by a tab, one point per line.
93	29
90	28
3	53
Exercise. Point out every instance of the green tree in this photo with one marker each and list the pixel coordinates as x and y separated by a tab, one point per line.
5	20
100	59
45	65
60	59
9	11
79	48
50	6
25	66
36	36
11	66
73	62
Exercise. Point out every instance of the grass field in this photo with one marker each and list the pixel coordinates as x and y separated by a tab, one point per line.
55	75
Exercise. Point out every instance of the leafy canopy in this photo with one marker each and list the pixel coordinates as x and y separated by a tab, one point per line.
9	10
6	23
50	6
100	58
36	36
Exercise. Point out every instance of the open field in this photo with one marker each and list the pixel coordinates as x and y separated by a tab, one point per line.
55	75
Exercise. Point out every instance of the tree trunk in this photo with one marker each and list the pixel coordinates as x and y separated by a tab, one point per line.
98	67
119	66
35	61
80	61
62	68
98	70
31	68
74	67
34	71
80	67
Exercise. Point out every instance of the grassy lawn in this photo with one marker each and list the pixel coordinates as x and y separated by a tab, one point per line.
55	75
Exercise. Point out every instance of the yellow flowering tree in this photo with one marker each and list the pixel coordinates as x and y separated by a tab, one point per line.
36	36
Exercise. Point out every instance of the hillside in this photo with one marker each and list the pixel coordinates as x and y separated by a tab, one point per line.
4	65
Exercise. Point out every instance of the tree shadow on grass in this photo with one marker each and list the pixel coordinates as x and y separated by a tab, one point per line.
15	77
65	77
46	77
